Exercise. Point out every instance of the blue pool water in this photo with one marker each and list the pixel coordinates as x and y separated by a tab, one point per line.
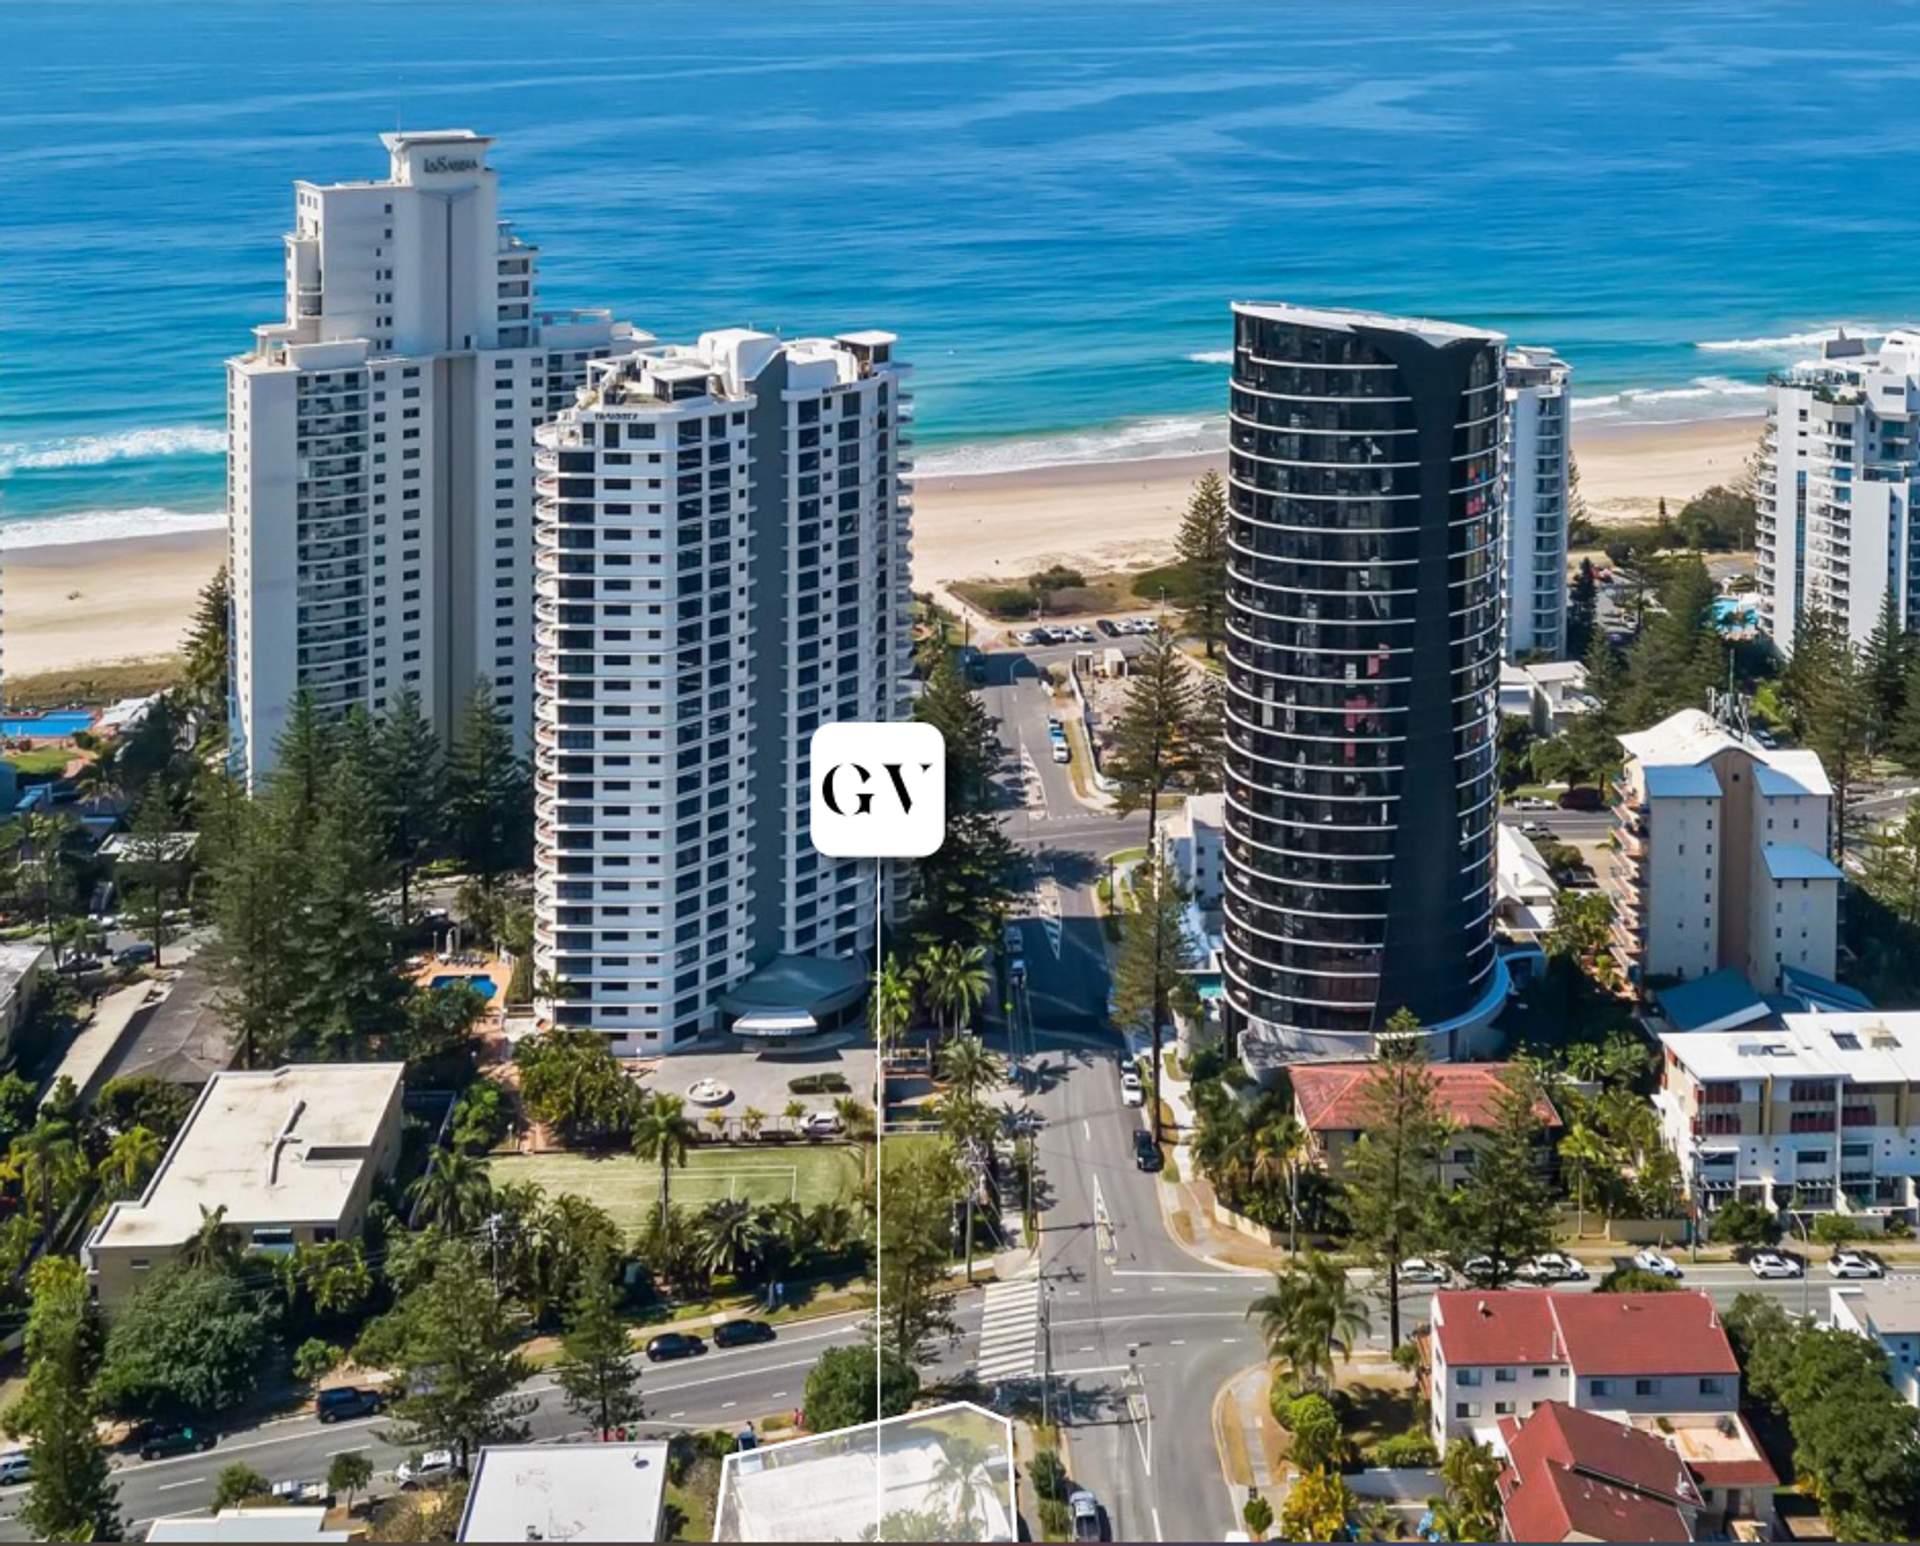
1078	189
486	987
46	725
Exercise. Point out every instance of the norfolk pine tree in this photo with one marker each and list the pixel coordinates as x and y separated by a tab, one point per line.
1151	976
72	1497
1202	546
1506	1211
596	1371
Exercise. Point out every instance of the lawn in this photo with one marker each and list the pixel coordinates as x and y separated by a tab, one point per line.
629	1188
42	760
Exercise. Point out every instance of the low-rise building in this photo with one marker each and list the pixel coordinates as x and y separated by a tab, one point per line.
1190	846
249	1525
1820	1114
1887	1311
1330	1102
1723	856
1576	1476
1549	694
547	1492
20	968
292	1154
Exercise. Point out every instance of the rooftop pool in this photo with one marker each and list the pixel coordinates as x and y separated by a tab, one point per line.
486	987
65	723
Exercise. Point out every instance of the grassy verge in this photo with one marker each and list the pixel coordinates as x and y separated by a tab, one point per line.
93	684
42	760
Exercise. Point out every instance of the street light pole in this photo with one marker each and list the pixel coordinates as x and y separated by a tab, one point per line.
1046	1350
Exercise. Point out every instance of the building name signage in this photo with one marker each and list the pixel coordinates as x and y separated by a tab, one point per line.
450	164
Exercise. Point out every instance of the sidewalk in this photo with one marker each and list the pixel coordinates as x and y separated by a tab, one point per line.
1248	1440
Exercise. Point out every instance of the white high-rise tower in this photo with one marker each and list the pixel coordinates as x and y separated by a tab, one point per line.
722	568
380	449
1537	493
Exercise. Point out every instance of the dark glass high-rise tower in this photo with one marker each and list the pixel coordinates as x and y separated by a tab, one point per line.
1363	660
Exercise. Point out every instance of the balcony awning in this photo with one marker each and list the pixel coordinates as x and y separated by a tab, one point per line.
775	1025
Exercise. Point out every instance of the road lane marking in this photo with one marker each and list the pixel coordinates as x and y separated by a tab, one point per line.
1087	1128
1158	1533
191	1481
676	1414
351	1450
724	1405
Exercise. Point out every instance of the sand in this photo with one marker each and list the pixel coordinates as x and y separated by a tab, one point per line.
100	602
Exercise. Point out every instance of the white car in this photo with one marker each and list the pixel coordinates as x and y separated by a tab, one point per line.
1535	829
1851	1264
1132	1091
1418	1269
1477	1269
1532	802
1656	1262
1552	1267
820	1124
1083	633
1025	636
15	1467
435	1466
1083	1508
1771	1264
1061	753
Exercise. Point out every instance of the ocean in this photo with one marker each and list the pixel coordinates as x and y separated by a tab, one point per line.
1052	202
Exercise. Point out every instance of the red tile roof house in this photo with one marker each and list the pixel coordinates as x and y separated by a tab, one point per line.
1661	1362
1575	1476
1330	1101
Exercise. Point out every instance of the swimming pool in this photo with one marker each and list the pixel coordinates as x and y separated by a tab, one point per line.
68	722
486	987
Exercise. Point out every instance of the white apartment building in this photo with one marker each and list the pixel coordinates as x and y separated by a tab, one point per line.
722	568
1837	488
380	449
1886	1312
1822	1114
1723	856
1537	497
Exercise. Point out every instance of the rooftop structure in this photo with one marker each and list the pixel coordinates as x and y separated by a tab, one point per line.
291	1154
1330	1101
550	1492
1575	1476
1888	1312
245	1525
1723	855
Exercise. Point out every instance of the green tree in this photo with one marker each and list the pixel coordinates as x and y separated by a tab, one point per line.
1582	1153
50	1165
921	1188
663	1133
1392	1179
1319	1440
205	651
1516	751
841	1389
489	795
1582	609
1152	979
1257	1514
596	1372
458	1367
1471	1474
732	1237
143	1100
254	868
1506	1211
1202	548
1155	741
215	1244
453	1194
150	870
969	1070
954	978
891	1007
1740	1223
347	988
349	1473
965	886
72	1496
1310	1312
190	1342
236	1484
409	789
1316	1507
130	1159
1829	703
1885	660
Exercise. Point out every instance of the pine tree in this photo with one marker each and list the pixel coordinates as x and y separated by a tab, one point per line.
1679	655
206	650
72	1496
1392	1176
1506	1212
1905	735
149	871
596	1372
1152	975
253	863
1154	737
302	756
409	782
347	987
1582	609
1829	699
1202	547
966	885
489	792
1884	660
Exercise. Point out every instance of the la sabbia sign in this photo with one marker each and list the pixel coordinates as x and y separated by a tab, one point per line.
450	164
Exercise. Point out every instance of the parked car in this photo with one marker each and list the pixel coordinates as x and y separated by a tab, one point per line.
670	1345
1132	1091
1771	1264
1025	636
1533	802
1647	1259
741	1333
140	954
432	1469
1061	752
1477	1269
174	1439
1146	1153
300	1494
1854	1264
1088	1522
820	1124
1082	633
1046	636
1421	1269
16	1467
1552	1267
1535	829
347	1401
1583	800
1108	627
1765	739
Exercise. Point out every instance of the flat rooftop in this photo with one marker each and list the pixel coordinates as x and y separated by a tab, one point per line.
1867	1047
1347	319
549	1492
272	1146
1891	1304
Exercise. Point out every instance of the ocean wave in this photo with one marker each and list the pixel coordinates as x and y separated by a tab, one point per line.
1704	397
1212	357
105	526
98	450
1787	341
1142	440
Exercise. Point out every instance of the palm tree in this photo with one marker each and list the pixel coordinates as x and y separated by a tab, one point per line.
752	1120
968	1068
1279	1149
663	1132
131	1157
46	1160
891	1009
1310	1311
216	1243
955	979
1583	1151
43	836
794	1111
732	1237
856	1118
963	1474
453	1193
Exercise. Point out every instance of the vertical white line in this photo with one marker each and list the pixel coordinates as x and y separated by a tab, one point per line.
879	1190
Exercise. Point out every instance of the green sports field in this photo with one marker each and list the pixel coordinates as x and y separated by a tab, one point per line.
629	1188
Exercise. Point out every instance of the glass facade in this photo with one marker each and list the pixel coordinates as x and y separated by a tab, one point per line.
1362	673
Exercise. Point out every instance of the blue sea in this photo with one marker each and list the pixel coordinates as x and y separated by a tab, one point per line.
1053	203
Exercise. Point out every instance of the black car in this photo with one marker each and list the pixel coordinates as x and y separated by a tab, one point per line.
347	1401
741	1333
134	955
1146	1153
158	1443
674	1344
1108	626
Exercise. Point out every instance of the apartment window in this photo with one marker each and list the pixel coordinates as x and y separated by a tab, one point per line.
1599	1387
1712	1385
1541	1374
1646	1387
1505	1376
1467	1377
1466	1409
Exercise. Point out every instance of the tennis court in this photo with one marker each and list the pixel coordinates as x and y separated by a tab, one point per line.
629	1188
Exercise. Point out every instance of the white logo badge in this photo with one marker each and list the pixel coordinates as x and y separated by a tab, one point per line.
879	791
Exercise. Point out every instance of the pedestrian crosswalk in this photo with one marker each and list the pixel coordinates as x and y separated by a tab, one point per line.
1009	1329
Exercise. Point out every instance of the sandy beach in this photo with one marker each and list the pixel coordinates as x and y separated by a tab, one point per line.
94	603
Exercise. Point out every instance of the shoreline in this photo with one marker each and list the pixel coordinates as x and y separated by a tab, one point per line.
111	600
